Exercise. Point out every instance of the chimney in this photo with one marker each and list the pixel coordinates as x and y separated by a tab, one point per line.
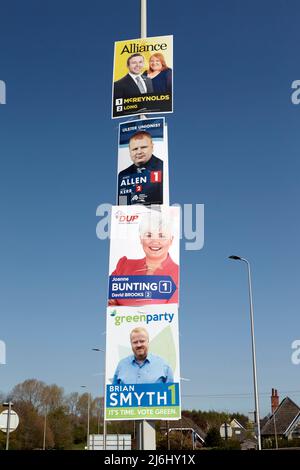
274	400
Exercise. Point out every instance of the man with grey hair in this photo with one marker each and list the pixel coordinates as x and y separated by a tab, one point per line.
142	367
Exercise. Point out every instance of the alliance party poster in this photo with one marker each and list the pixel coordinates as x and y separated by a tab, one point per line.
143	76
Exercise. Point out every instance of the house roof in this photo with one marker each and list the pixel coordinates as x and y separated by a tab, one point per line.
235	424
185	422
282	418
294	424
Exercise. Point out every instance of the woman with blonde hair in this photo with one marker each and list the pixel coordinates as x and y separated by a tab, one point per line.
156	237
159	73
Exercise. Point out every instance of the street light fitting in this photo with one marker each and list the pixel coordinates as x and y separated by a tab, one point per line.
235	257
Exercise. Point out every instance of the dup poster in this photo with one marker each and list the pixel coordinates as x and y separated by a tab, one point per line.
144	255
142	363
143	163
143	76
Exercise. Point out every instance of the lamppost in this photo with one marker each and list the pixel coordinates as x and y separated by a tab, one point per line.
104	422
45	428
257	416
88	420
9	405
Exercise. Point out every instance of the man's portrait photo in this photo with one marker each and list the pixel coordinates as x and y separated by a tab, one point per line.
134	83
142	163
143	345
142	366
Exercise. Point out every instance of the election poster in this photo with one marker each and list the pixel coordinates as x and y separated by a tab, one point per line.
143	163
143	76
144	255
142	377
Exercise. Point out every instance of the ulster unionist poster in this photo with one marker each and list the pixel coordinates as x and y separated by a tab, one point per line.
143	163
143	76
142	363
144	255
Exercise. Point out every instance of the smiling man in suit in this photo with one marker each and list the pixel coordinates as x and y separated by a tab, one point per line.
133	84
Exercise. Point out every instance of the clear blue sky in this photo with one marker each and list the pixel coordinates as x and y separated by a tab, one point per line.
233	145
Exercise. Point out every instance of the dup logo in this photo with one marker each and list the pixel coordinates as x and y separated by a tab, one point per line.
2	92
125	218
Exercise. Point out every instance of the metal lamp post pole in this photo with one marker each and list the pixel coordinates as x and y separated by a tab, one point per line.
45	429
8	425
88	422
146	436
256	400
140	423
143	18
254	357
88	419
143	29
104	421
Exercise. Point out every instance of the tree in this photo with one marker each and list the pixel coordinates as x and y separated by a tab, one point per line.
29	434
207	419
52	397
82	405
61	427
30	391
213	438
71	401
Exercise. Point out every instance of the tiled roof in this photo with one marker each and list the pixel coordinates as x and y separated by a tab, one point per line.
281	418
184	422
